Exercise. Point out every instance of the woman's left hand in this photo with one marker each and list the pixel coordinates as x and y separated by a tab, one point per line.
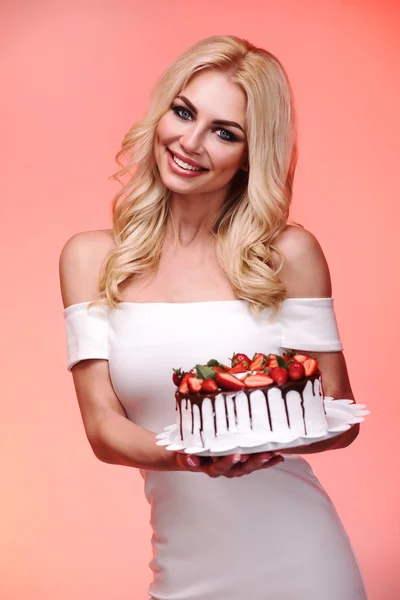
245	464
253	462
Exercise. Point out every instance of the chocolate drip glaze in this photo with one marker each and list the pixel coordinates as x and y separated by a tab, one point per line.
250	413
303	411
198	398
234	408
226	413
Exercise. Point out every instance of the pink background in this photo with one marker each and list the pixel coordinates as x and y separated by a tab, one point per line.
74	77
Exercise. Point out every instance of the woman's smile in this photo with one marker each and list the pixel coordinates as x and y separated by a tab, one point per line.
182	168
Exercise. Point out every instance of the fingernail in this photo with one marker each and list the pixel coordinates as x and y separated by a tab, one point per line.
236	458
191	462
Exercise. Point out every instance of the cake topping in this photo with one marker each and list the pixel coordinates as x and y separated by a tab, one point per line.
310	366
229	382
177	376
194	384
261	371
209	385
296	370
279	374
240	359
258	380
258	362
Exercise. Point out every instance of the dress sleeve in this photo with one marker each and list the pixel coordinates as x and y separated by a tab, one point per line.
87	332
309	324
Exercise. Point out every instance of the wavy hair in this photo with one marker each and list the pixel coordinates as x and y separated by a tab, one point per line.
256	209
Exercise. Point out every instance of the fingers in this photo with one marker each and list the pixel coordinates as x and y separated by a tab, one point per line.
255	463
232	465
188	462
222	464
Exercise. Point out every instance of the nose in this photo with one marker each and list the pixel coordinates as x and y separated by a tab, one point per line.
192	141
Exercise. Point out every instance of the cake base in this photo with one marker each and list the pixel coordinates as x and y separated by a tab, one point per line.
340	416
274	412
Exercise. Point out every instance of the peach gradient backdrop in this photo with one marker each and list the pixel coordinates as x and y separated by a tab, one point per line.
75	76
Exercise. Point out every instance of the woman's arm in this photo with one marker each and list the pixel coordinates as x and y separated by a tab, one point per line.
305	274
112	436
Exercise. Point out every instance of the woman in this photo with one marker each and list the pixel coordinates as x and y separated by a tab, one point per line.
200	257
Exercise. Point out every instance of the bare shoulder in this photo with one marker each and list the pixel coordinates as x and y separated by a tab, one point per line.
80	262
305	271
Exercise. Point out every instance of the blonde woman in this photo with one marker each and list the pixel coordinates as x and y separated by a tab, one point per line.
202	261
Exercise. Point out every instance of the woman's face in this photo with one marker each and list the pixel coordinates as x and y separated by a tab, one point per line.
204	131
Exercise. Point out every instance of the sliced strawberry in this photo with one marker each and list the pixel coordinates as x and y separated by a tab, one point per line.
239	368
296	370
310	366
301	358
279	375
177	376
209	385
229	382
194	384
258	380
218	369
271	361
183	388
258	362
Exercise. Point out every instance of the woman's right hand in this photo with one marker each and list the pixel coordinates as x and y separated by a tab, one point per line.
232	465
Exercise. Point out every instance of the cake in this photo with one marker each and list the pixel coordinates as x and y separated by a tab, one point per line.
267	398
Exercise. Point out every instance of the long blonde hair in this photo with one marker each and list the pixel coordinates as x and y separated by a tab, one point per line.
257	207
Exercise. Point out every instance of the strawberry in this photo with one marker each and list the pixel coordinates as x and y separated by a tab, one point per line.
194	384
289	355
296	370
239	368
259	380
258	362
209	385
240	358
183	387
300	358
229	382
218	369
278	374
177	376
271	361
310	366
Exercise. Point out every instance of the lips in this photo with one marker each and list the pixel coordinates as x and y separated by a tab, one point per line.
188	161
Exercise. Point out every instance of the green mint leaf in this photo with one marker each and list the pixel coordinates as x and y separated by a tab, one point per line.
281	362
205	372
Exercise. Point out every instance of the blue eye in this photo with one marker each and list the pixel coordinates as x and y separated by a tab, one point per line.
230	138
178	110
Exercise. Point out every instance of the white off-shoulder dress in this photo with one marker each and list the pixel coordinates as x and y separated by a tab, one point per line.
271	535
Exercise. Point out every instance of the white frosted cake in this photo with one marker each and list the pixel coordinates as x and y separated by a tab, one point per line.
269	398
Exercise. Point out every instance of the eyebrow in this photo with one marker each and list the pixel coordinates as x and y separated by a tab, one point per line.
216	121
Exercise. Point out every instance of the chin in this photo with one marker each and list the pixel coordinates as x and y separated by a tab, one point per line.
180	189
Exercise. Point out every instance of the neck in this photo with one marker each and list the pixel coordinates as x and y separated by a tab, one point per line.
191	216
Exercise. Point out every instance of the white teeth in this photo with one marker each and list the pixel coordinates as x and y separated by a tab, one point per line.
184	165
